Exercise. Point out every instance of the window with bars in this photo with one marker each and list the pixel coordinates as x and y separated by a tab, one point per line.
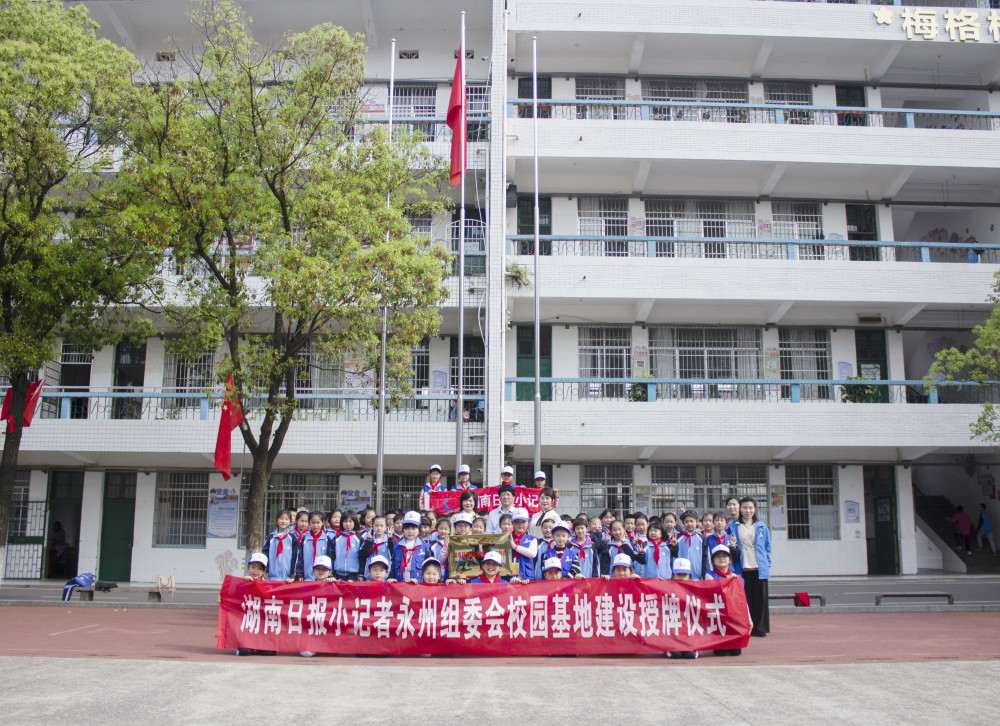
524	474
526	224
474	369
600	88
606	486
290	490
811	491
604	217
706	487
790	93
475	242
477	99
180	517
692	90
799	220
689	352
402	491
605	352
18	523
315	372
188	375
805	355
421	225
71	354
698	219
413	100
526	90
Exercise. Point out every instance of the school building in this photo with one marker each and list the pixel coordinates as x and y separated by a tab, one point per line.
744	204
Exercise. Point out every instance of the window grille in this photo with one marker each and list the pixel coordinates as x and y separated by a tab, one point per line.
706	487
402	491
18	522
290	490
475	242
790	93
188	375
180	518
421	225
415	100
606	486
604	217
315	372
691	90
600	88
799	220
805	355
605	352
477	99
74	354
701	218
688	352
811	490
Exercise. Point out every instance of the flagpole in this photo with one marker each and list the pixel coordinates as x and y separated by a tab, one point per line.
538	304
380	446
460	408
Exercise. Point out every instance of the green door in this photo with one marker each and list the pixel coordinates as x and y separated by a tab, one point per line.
117	523
873	362
880	511
526	361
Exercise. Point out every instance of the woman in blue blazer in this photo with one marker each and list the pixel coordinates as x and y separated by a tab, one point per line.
753	540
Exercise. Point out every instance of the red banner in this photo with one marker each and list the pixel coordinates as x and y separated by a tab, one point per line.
549	617
486	498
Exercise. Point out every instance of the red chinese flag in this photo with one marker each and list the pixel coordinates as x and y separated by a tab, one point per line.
232	416
5	412
456	121
34	393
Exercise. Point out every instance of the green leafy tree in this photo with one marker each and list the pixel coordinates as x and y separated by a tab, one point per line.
980	364
64	96
274	198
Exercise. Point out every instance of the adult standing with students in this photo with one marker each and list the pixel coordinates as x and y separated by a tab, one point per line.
547	500
753	540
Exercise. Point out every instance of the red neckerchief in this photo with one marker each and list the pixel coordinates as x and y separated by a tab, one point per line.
408	555
315	538
301	535
656	552
349	535
722	575
281	538
487	580
466	487
690	536
517	539
583	553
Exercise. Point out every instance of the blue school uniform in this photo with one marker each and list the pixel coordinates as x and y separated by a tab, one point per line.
570	565
407	562
657	561
586	555
310	549
525	564
762	548
346	547
611	548
543	546
480	581
370	548
714	540
692	547
280	551
713	575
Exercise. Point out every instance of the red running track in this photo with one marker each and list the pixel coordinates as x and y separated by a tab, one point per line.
154	634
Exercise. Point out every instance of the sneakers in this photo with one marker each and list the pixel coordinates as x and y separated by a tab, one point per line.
306	653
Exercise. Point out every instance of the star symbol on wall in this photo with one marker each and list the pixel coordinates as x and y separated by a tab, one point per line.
883	16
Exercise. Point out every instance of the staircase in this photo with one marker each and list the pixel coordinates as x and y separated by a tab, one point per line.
935	511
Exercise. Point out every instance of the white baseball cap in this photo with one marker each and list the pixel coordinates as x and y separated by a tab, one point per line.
721	548
519	513
552	563
507	470
258	557
462	517
493	557
540	475
622	560
378	560
430	561
464	469
681	566
411	517
323	561
561	524
434	467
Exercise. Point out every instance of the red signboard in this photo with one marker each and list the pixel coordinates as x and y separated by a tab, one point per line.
486	498
553	617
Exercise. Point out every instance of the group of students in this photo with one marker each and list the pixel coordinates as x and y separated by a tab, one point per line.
413	547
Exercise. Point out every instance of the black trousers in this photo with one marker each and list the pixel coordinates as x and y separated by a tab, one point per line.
756	590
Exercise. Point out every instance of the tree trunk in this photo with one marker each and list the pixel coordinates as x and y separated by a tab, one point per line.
260	475
8	463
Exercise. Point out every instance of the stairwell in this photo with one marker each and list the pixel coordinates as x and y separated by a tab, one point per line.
934	511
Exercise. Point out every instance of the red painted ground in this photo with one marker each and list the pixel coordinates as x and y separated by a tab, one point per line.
795	639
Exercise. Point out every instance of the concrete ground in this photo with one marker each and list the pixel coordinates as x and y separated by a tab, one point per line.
86	665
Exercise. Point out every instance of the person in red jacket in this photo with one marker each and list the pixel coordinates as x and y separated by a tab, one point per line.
963	530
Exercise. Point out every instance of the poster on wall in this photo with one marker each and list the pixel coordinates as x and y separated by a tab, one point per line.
852	512
772	364
354	500
778	507
987	486
643	496
223	513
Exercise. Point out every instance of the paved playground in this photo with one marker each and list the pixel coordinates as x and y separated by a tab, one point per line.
87	665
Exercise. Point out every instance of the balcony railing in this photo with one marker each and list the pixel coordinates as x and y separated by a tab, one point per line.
745	248
167	404
661	390
437	134
750	113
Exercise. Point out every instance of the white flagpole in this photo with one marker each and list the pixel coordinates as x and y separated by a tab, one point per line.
380	466
460	408
538	305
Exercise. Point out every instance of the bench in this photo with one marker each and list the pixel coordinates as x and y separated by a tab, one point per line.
154	592
878	598
819	598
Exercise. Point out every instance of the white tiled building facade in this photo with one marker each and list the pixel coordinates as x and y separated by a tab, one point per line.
743	203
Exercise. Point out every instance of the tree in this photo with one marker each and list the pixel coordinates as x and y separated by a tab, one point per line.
980	364
274	196
64	96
